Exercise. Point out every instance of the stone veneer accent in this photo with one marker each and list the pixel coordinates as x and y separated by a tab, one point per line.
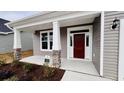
17	54
56	58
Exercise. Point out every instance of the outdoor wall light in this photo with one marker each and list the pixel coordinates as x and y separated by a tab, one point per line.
115	23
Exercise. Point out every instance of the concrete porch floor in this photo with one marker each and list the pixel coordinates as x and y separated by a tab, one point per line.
70	65
79	66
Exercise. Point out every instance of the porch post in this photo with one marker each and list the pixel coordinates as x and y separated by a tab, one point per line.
17	45
56	55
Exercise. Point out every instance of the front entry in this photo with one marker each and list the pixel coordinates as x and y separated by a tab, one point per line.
79	46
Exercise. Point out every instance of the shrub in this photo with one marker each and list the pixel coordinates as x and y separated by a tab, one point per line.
48	72
16	63
5	74
1	63
27	67
25	78
13	78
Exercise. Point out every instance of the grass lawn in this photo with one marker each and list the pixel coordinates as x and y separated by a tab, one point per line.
18	71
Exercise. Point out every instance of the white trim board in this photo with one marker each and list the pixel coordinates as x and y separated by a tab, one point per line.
90	41
59	18
101	43
121	51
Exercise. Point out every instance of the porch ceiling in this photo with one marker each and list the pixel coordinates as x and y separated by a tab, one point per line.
68	22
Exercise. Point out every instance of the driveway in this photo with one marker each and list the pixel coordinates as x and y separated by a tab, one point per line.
75	76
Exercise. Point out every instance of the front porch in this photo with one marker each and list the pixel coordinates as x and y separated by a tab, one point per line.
85	67
73	42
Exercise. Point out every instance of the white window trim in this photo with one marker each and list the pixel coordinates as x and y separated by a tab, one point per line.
48	31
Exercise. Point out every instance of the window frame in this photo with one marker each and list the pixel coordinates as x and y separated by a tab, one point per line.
48	40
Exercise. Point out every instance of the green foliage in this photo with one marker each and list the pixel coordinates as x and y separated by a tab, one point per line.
16	63
48	72
1	63
27	67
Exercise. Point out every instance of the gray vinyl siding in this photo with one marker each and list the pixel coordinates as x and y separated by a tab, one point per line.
6	42
96	43
111	45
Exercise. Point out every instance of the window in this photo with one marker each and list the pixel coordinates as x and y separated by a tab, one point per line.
51	39
70	40
46	42
87	40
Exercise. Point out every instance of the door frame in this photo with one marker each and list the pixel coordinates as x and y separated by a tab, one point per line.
87	53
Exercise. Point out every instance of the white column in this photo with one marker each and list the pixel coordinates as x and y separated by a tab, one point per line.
56	36
56	55
17	39
17	45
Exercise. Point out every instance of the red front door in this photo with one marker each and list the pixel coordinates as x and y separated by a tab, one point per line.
79	46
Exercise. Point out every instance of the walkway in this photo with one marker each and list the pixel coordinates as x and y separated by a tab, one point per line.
74	76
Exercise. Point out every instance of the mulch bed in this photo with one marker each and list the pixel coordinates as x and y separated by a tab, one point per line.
35	74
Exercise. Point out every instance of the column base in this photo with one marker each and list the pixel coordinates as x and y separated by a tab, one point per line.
56	58
17	54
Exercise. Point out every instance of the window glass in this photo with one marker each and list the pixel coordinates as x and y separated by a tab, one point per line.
70	40
44	37
44	41
51	39
87	40
44	45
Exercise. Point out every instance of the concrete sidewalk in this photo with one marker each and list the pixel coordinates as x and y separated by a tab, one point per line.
75	76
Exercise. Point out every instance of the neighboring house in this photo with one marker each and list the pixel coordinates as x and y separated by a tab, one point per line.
85	35
7	36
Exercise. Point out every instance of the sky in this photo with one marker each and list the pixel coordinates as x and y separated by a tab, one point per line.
14	15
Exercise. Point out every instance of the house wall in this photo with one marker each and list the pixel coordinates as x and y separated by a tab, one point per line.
96	43
6	42
111	45
26	40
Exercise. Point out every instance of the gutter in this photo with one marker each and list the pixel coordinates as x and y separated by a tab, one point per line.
6	33
6	24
